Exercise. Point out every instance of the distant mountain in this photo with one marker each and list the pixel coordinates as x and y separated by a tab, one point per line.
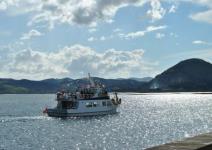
27	86
188	75
123	85
145	79
11	86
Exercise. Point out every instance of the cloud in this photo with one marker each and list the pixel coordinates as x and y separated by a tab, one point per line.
75	61
173	9
88	12
18	7
81	12
155	28
102	38
91	30
156	12
137	34
32	33
117	30
3	5
202	2
91	39
200	42
133	35
205	16
159	35
172	34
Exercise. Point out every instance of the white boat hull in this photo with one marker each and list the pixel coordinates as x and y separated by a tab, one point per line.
82	109
56	113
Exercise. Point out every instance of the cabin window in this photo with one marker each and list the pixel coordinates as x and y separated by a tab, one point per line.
74	105
103	103
95	104
69	105
89	104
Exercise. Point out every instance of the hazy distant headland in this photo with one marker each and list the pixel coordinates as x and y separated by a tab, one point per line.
192	75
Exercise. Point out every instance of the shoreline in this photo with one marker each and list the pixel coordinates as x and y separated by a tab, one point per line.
129	93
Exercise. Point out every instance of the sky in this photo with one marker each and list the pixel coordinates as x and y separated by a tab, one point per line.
42	39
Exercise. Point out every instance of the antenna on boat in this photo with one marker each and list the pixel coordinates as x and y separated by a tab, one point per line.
91	81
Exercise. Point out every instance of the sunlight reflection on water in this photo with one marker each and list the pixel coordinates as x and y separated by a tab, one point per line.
143	121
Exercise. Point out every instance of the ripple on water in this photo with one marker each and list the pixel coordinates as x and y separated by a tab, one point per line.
143	121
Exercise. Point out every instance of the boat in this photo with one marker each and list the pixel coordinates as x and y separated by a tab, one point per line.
90	100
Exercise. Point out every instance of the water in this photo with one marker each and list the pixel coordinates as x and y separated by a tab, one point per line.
143	121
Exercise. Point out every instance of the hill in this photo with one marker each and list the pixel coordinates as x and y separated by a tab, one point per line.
188	75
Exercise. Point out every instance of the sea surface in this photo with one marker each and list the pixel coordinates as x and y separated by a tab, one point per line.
144	120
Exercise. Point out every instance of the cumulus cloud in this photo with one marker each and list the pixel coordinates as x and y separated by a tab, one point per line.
75	61
29	62
205	16
86	12
82	12
138	34
17	7
156	12
32	33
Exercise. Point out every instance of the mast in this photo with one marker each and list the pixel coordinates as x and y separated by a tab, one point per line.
91	81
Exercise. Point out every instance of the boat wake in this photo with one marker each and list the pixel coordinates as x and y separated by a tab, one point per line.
22	118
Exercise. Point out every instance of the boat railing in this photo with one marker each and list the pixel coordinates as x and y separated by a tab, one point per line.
73	97
90	96
66	97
